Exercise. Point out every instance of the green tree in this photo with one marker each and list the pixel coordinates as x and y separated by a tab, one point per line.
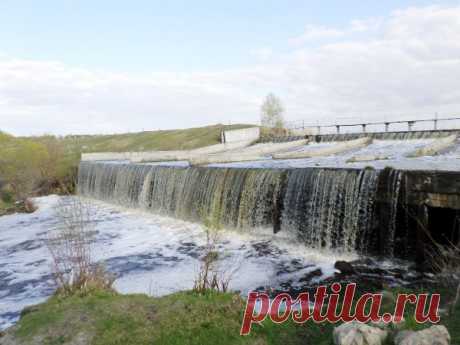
21	164
272	112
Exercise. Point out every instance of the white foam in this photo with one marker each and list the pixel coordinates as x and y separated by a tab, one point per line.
151	254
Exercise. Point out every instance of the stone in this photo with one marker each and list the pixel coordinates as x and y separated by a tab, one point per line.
309	276
344	267
356	333
435	335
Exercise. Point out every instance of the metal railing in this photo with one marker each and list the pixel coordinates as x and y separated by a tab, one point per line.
300	125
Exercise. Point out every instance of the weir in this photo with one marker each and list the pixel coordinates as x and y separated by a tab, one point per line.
384	212
403	135
394	135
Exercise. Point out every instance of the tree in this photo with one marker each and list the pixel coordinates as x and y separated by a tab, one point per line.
20	165
272	112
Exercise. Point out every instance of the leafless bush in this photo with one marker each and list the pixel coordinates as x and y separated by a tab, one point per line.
446	261
212	275
70	245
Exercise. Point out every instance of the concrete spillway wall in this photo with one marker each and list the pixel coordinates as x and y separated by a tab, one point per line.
245	134
251	153
336	149
163	156
385	212
385	135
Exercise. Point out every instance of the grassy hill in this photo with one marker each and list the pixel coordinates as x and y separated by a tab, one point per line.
149	140
47	164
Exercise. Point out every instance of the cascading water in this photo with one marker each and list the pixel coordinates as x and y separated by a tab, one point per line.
236	198
324	208
386	135
331	208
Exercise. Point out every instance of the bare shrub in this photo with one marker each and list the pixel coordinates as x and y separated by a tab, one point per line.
212	274
445	260
70	245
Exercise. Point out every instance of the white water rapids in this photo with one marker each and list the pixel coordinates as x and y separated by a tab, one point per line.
150	254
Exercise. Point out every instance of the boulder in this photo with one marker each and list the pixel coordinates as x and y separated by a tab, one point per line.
356	333
435	335
344	267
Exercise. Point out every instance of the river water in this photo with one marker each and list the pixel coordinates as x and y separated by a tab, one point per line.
148	253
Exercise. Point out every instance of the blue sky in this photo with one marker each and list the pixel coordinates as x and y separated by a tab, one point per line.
188	63
168	35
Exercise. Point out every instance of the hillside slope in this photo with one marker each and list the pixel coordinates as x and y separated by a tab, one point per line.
41	165
149	140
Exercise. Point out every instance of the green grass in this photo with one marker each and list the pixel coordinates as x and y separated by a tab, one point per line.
149	140
453	325
4	206
177	319
181	318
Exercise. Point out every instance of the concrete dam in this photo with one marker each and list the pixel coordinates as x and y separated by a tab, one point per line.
388	195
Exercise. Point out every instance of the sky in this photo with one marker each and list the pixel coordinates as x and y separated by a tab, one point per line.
117	66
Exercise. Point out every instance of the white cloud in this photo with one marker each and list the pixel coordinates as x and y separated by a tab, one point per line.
262	54
315	33
408	65
366	25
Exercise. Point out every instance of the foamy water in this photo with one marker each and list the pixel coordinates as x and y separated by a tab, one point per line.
395	153
149	254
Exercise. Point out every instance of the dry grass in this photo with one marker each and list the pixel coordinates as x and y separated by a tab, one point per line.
446	261
212	274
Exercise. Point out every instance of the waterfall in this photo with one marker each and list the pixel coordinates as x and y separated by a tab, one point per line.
324	208
385	135
235	198
402	135
330	208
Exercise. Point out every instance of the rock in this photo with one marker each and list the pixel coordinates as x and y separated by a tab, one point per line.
344	267
435	335
309	276
355	333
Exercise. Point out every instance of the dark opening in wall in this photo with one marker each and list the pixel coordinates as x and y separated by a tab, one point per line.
444	225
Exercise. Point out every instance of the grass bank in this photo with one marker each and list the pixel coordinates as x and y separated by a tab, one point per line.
182	318
5	207
104	318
